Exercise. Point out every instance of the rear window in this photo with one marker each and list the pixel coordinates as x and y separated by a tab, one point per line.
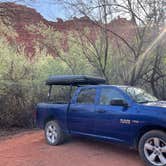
86	96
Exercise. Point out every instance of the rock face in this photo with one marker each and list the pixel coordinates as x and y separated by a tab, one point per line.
20	17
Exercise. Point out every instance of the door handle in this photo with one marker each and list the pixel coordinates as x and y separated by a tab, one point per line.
100	111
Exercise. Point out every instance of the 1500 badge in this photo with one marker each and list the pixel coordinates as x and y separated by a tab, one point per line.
127	121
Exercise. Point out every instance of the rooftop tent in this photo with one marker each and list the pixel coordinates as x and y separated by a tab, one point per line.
74	80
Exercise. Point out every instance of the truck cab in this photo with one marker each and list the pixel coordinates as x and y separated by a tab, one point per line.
120	114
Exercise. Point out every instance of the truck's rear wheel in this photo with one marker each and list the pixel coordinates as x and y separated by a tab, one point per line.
152	148
53	133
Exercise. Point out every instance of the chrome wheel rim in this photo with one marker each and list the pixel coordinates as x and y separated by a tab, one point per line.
155	151
51	133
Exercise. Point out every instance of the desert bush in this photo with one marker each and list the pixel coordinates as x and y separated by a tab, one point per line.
22	82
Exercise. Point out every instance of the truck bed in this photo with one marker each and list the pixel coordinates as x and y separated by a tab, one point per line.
49	111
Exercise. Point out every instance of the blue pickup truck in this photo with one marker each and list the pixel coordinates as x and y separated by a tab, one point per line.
120	114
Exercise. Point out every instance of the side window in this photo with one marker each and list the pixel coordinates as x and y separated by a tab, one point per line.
86	96
108	94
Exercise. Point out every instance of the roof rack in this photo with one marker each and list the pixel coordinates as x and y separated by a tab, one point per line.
74	80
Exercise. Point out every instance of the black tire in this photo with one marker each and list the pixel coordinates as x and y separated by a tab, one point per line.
152	143
57	136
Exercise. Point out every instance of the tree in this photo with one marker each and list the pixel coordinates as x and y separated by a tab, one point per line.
142	54
63	47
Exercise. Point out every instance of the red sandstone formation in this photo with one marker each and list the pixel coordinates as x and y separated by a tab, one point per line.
20	17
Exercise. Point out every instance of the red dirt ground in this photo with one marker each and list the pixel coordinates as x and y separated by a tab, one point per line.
30	149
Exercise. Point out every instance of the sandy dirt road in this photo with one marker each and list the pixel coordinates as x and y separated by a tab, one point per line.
30	149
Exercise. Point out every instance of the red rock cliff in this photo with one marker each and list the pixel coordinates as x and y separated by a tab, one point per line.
20	17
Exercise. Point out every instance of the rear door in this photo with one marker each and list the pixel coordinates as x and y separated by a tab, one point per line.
81	116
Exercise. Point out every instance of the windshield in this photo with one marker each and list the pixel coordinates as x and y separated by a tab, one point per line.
139	95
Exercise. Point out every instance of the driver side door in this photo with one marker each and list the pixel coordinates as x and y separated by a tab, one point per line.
109	118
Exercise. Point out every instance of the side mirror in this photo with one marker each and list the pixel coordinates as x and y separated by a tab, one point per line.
118	102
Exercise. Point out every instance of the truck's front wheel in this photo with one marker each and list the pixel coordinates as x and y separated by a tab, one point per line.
152	148
53	133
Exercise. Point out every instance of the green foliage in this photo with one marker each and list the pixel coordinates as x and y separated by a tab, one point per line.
65	48
22	80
